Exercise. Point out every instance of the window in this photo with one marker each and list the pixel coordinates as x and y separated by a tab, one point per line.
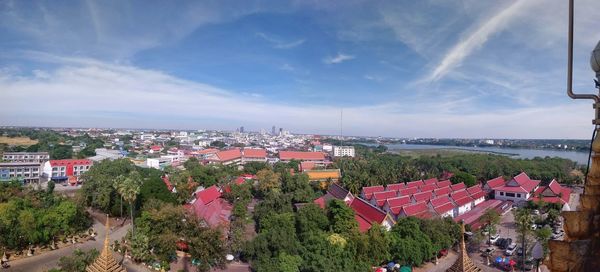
518	195
54	168
510	194
502	193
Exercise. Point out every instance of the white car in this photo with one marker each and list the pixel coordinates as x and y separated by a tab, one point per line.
494	238
510	249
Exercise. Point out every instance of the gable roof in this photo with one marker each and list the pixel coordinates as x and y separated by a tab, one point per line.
429	187
66	162
408	191
440	200
395	186
422	196
442	191
444	183
555	187
368	191
444	208
208	195
462	201
255	153
380	197
459	194
478	195
495	182
474	189
338	191
415	183
215	213
228	155
301	155
520	183
367	211
307	165
458	186
414	209
397	201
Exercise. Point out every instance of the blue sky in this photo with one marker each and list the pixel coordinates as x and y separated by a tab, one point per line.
397	68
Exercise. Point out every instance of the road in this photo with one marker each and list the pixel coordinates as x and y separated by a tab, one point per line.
49	260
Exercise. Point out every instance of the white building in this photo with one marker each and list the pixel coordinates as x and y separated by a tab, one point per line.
158	163
343	151
103	154
327	147
518	190
39	157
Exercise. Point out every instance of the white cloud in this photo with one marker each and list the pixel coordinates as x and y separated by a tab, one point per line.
279	44
475	40
339	58
84	92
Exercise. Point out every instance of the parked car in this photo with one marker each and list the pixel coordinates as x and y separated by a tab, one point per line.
520	251
505	243
510	249
499	241
494	238
488	252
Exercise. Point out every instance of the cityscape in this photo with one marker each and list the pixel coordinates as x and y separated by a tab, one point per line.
299	136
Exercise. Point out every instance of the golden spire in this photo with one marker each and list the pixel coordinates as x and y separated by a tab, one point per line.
105	262
463	263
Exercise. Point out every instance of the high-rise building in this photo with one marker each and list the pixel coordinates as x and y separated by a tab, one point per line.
273	130
242	129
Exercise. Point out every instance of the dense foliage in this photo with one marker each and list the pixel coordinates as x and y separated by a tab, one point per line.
58	145
76	262
373	168
36	217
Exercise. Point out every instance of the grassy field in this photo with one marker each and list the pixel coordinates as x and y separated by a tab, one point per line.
24	141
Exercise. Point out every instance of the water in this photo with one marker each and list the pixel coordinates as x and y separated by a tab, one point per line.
522	153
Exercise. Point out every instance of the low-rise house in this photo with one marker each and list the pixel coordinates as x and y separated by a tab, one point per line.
409	191
366	214
323	175
367	192
552	193
462	205
518	190
445	210
422	196
209	206
420	210
494	183
477	194
442	191
396	202
379	198
61	170
254	155
227	157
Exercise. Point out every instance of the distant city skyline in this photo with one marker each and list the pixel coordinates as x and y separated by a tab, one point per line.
469	69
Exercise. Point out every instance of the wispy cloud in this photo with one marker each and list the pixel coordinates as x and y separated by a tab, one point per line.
474	40
339	58
279	44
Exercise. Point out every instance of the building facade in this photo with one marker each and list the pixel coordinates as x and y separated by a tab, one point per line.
69	169
28	172
343	151
38	157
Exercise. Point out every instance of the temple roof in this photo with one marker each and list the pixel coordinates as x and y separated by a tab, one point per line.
463	263
105	262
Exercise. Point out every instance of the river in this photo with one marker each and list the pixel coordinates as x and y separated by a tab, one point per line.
522	153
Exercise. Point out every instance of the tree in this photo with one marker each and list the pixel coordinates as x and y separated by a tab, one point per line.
78	261
289	263
543	235
409	244
341	218
460	176
129	189
491	218
523	220
311	218
268	181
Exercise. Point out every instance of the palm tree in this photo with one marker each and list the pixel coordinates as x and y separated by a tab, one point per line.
117	185
491	218
129	188
523	220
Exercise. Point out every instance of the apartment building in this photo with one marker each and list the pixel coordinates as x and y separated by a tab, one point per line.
61	170
343	151
28	172
38	157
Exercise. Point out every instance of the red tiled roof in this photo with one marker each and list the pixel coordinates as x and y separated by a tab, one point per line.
458	186
380	197
521	183
413	209
478	195
167	183
496	182
398	201
301	155
66	162
521	178
415	183
444	183
441	209
321	202
255	153
368	191
396	209
459	194
562	197
430	181
156	147
474	189
462	201
367	211
229	155
555	187
363	224
395	186
408	191
442	191
473	215
207	151
440	200
422	196
215	213
209	194
429	187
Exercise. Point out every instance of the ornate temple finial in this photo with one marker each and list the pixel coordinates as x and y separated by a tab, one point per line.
463	263
105	262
